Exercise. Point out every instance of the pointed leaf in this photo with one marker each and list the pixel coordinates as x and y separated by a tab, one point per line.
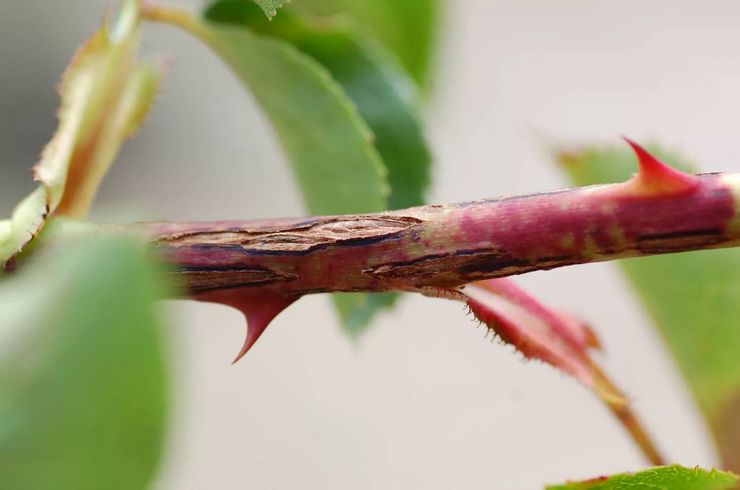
693	299
662	478
82	377
546	334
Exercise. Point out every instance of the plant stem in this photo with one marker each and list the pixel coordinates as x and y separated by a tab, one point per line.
451	245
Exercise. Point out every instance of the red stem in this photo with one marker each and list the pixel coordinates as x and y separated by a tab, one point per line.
450	245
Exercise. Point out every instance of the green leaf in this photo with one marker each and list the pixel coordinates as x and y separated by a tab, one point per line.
693	298
384	97
382	92
661	478
406	27
82	378
269	7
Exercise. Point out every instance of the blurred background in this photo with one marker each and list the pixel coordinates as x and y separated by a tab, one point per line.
421	400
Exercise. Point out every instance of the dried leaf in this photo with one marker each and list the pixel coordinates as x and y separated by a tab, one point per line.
105	95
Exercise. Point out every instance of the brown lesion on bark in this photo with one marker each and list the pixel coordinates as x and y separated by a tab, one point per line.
429	268
201	279
455	269
301	239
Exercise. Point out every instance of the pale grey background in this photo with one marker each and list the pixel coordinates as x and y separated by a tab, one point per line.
422	401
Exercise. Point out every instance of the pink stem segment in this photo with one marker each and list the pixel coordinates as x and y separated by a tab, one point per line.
660	210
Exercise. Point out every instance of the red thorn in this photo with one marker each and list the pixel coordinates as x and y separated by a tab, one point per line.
259	317
259	309
657	178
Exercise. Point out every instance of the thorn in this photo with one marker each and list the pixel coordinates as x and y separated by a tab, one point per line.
258	318
259	309
657	178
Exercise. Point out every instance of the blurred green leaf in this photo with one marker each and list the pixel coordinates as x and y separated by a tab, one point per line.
357	309
269	7
694	299
82	377
662	478
406	27
384	97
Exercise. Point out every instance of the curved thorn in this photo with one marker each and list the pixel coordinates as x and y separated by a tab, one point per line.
259	313
656	177
259	309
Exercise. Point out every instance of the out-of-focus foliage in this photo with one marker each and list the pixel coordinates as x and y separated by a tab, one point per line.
406	27
82	380
692	298
83	392
661	478
384	96
105	96
270	7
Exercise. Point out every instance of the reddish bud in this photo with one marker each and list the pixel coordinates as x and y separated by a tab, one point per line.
540	332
